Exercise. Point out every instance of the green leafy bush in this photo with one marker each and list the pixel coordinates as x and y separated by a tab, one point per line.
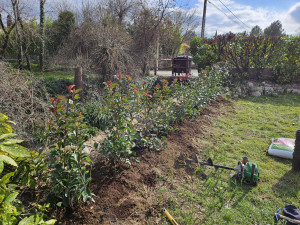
10	207
33	172
184	104
120	107
11	152
9	147
155	114
57	86
243	52
70	174
142	114
203	53
287	69
93	116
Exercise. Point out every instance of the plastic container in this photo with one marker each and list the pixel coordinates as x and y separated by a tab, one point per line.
282	147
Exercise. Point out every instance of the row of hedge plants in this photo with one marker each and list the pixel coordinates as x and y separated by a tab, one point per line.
135	115
243	52
139	115
57	175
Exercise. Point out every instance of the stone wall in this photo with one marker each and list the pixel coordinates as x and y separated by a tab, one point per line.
263	88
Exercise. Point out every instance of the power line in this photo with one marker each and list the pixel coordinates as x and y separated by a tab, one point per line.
234	14
226	15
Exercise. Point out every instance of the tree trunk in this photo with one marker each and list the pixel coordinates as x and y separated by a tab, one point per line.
18	37
145	68
24	39
42	34
78	78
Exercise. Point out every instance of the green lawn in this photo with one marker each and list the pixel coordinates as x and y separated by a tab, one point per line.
56	79
59	74
246	129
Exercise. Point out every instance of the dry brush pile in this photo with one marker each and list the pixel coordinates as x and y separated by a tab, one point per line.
23	100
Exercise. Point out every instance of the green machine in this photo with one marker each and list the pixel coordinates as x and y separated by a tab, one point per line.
245	170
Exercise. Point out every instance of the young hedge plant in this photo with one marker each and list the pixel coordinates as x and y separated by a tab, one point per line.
69	165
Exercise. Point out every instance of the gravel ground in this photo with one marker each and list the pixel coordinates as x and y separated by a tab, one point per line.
169	72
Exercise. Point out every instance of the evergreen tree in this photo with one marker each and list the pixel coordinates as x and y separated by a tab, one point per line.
256	31
275	29
61	29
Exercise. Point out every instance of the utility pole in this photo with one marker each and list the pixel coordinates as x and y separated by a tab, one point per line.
157	44
203	19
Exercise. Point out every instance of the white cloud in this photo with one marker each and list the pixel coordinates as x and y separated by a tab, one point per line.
294	12
291	19
262	16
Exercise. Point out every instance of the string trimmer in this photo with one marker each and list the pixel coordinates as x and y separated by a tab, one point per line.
245	170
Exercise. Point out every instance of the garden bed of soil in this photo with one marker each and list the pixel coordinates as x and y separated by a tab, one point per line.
129	194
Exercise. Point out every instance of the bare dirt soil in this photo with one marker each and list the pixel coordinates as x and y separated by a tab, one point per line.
127	194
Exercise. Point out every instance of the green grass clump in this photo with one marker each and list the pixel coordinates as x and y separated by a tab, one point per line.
247	129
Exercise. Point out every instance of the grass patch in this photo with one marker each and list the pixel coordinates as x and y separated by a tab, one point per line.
56	79
56	74
246	130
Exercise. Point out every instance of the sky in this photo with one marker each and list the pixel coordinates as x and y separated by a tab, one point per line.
247	14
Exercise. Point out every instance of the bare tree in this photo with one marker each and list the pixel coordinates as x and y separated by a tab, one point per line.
15	6
17	12
171	38
65	5
145	29
92	11
120	8
185	21
23	39
116	36
100	48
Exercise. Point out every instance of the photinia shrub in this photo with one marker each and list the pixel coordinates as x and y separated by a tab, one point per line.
69	165
141	114
120	108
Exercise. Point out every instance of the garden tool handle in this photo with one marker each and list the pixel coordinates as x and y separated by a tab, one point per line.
287	218
170	217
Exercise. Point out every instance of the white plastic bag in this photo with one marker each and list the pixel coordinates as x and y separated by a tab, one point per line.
282	147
